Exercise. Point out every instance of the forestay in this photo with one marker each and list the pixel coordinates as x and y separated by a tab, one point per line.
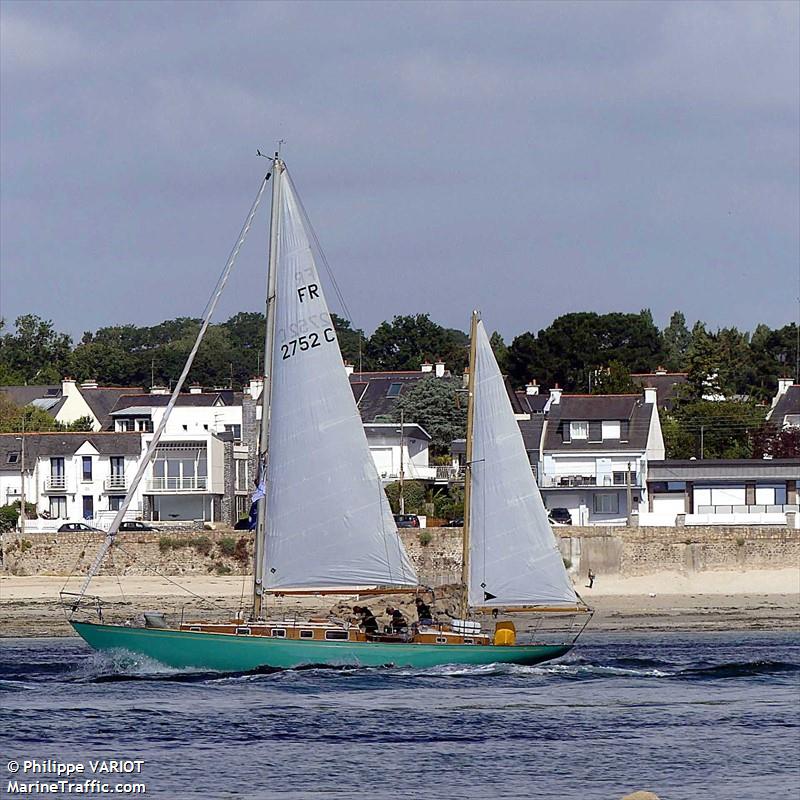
514	560
329	523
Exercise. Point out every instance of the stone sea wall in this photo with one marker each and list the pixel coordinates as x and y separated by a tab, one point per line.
435	552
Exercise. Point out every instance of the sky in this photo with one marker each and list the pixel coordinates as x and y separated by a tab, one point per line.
527	159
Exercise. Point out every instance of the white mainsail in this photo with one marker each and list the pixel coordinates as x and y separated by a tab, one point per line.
329	523
514	559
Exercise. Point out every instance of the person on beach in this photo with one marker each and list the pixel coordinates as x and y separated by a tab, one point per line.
424	614
591	577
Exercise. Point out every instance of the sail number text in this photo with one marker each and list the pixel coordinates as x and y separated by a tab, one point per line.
303	343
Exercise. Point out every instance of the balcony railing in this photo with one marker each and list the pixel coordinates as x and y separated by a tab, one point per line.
194	484
449	474
55	483
756	508
570	481
116	483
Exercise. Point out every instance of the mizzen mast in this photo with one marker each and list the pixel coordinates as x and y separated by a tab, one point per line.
468	472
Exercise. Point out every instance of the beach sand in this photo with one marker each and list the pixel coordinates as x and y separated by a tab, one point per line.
753	600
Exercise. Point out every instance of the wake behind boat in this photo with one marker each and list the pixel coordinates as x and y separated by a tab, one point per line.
325	524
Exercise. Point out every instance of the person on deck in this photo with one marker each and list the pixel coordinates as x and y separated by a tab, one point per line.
424	614
368	621
398	622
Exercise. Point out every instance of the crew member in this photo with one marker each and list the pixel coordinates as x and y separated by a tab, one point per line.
424	614
368	621
398	622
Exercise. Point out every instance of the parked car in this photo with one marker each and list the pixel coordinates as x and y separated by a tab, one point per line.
559	516
135	525
406	520
458	522
77	527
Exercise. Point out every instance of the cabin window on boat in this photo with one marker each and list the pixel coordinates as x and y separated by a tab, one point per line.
579	430
469	641
441	640
279	633
606	503
306	634
339	634
243	631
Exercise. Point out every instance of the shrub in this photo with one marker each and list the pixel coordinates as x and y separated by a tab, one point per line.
740	541
241	553
227	546
425	538
202	544
414	494
166	543
220	568
25	545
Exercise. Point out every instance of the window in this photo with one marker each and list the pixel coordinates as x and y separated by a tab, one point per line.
144	425
205	427
236	430
306	634
619	478
12	458
278	633
58	507
337	635
86	474
611	429
115	502
579	430
241	475
606	504
394	389
128	425
243	631
88	506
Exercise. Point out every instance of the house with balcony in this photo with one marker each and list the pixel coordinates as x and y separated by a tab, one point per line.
71	476
723	492
200	469
594	454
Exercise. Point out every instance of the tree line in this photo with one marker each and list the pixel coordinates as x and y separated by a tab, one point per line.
581	352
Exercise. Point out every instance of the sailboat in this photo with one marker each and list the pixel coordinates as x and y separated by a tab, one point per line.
325	524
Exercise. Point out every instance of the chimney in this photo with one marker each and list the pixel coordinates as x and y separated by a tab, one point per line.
67	386
661	371
89	385
650	395
195	388
348	367
555	395
256	386
465	379
440	369
159	390
427	366
532	388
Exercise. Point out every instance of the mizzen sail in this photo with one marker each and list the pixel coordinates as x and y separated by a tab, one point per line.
329	523
514	560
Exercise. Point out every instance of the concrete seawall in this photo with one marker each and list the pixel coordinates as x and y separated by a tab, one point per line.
435	552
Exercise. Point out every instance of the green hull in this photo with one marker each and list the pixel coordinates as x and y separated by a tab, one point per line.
229	653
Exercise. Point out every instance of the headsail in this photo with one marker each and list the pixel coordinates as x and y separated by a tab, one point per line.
514	560
329	523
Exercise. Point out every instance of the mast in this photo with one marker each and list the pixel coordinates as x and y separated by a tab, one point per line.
266	393
468	474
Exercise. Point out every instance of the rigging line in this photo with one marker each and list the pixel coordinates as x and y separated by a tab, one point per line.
148	456
174	583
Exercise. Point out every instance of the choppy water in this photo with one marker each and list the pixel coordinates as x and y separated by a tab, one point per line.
712	716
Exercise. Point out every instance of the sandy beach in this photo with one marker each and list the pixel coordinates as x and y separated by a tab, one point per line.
755	600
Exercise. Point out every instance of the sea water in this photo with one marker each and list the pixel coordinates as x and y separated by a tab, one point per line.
711	716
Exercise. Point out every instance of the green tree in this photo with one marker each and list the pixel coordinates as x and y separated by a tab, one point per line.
769	440
500	350
413	496
676	340
352	343
576	344
407	341
35	352
14	418
438	405
704	365
614	379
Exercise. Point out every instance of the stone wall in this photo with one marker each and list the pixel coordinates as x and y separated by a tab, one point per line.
435	552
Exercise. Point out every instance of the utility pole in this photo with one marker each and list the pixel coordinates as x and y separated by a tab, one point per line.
22	480
402	474
702	443
628	492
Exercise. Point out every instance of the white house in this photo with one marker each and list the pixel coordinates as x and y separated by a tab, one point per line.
70	476
594	454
